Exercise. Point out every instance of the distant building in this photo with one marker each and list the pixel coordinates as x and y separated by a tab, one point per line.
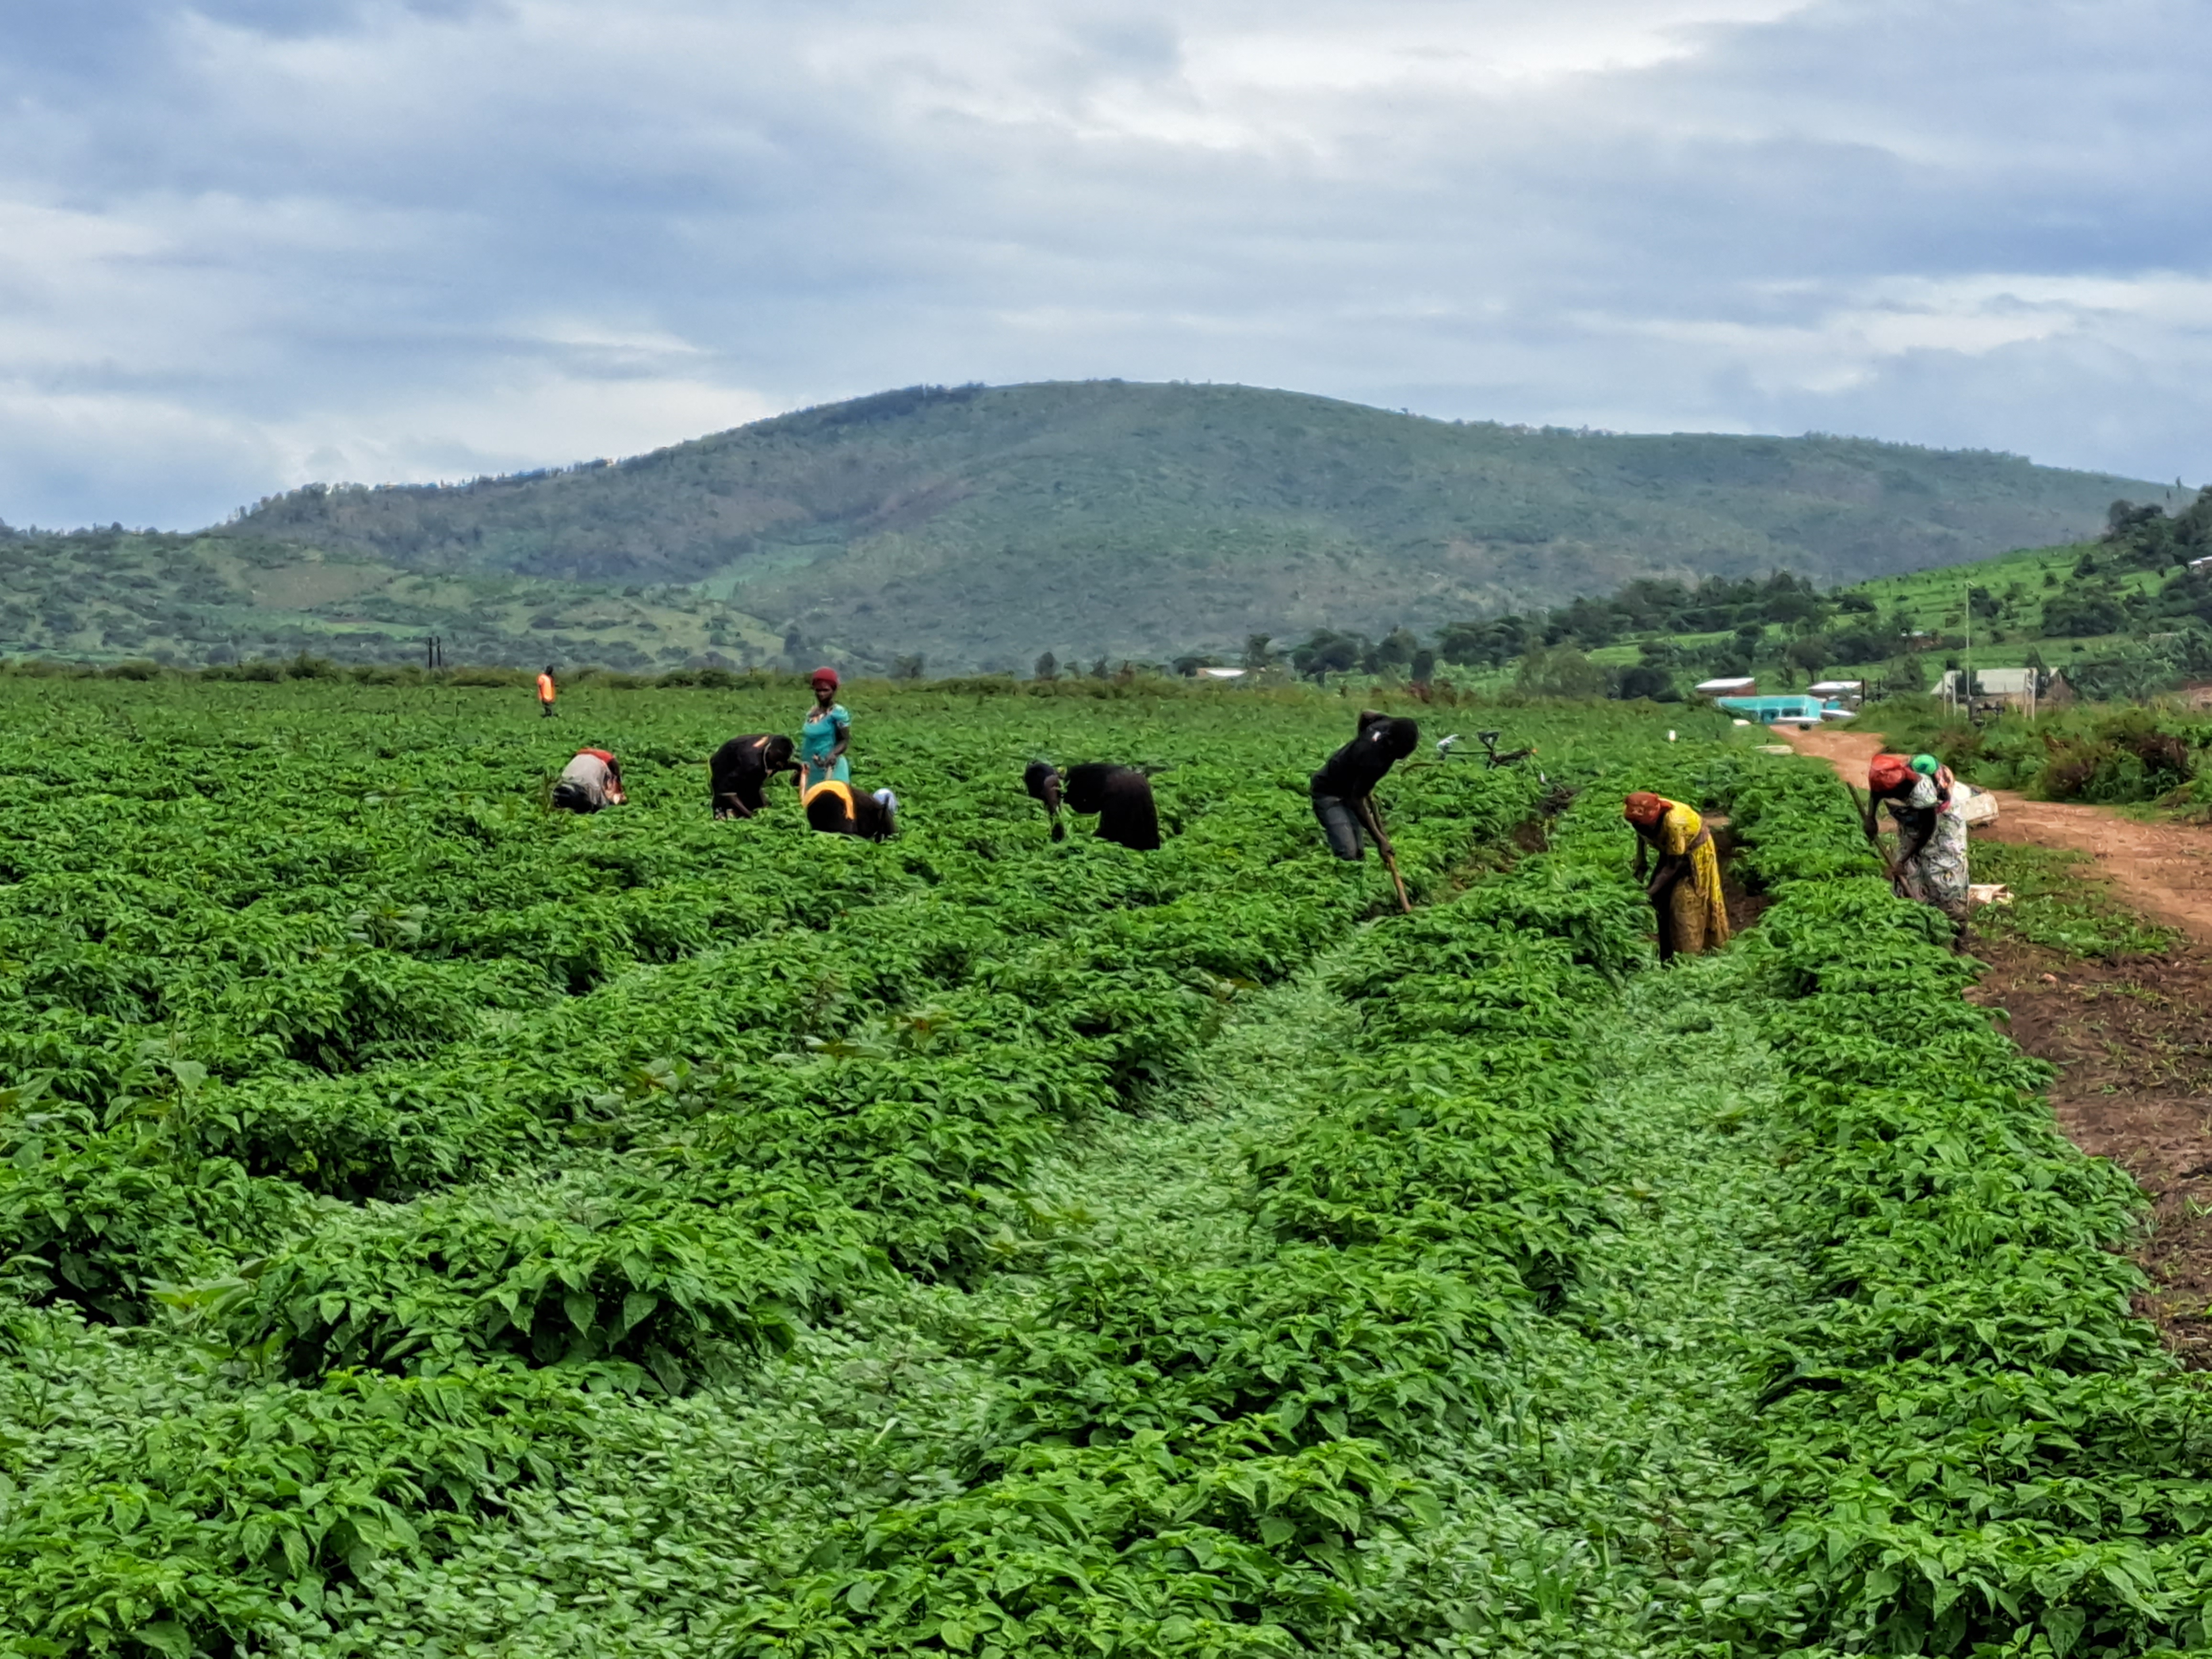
1742	687
1844	691
1221	673
1792	709
2007	688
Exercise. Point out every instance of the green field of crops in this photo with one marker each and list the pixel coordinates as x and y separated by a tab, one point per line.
435	1225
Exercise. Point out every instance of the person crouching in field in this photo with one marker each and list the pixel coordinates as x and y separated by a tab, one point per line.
1685	888
836	808
588	782
1343	789
1121	796
1931	836
740	770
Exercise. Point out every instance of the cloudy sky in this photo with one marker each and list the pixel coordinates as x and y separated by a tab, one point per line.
245	243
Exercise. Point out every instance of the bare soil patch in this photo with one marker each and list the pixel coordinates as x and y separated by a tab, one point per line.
1744	907
2132	1039
2163	871
2131	1036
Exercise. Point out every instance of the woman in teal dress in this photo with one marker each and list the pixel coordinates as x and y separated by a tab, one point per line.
824	738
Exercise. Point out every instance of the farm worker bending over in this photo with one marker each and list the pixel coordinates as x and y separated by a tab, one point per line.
1685	887
1929	767
1931	837
545	692
826	735
1120	795
590	782
838	809
740	770
1343	788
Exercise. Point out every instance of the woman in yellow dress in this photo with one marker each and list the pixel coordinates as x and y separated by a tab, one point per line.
1685	887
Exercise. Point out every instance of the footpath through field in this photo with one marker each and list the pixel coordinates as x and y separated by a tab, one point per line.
2164	871
1582	1518
1585	1520
2130	1035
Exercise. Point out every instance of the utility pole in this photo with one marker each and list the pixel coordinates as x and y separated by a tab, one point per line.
1966	673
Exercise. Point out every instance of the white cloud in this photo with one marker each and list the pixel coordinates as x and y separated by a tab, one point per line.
508	425
244	243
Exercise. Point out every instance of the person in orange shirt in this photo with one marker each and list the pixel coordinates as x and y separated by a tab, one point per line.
545	692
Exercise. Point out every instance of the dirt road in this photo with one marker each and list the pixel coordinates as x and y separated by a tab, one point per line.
2164	871
2132	1038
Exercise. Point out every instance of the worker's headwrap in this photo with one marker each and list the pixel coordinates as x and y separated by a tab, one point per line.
1888	774
822	675
1643	807
1927	765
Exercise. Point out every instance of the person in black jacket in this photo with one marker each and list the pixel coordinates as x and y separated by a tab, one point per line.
1120	795
740	770
1342	787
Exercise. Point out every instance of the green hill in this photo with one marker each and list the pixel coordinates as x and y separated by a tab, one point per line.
984	525
2127	615
105	596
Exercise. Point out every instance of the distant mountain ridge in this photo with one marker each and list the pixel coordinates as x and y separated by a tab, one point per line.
979	526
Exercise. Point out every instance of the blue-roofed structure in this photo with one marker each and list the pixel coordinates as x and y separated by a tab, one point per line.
1767	711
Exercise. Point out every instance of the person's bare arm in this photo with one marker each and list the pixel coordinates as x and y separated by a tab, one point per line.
1913	834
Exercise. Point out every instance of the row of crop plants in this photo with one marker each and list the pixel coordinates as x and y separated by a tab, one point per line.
355	1269
1968	1444
359	1277
1220	1459
1965	1442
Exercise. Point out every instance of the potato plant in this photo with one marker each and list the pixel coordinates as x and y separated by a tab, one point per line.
435	1224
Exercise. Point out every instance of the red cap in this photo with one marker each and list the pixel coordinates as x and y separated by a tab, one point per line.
822	674
1643	807
1886	773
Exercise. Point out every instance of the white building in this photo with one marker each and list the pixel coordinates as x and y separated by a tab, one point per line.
2015	688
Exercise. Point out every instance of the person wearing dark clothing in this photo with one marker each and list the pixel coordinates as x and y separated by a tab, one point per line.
1342	788
836	808
1121	796
740	770
1041	778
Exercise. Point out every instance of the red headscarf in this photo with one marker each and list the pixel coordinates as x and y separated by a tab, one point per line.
1888	774
822	674
1643	807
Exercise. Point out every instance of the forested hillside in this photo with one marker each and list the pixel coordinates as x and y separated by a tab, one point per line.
110	595
2126	615
986	525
